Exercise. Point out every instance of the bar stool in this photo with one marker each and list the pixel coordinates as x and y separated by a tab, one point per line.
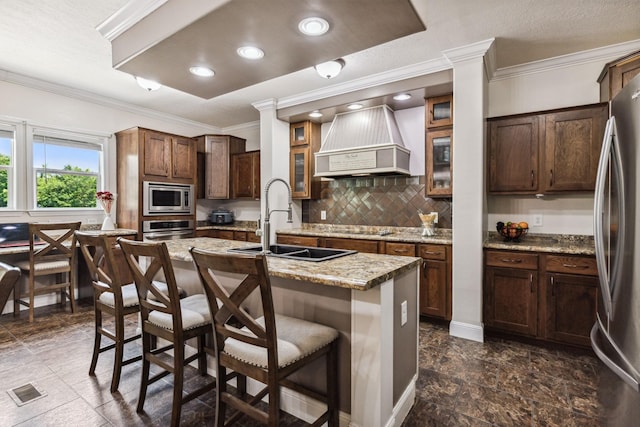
9	276
114	293
52	250
268	348
168	317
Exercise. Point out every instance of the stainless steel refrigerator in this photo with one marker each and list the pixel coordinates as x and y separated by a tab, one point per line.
615	337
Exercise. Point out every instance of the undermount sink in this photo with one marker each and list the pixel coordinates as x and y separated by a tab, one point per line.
297	252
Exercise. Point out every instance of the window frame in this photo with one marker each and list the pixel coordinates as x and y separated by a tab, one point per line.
8	126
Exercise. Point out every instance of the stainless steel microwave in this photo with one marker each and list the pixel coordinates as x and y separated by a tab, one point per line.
167	199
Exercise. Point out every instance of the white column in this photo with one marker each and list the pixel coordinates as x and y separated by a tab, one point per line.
469	201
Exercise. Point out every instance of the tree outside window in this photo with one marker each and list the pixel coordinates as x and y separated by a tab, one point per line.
6	166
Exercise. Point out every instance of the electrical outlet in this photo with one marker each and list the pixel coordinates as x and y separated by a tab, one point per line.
403	313
323	215
435	221
537	220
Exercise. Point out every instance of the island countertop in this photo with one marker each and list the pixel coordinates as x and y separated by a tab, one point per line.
360	271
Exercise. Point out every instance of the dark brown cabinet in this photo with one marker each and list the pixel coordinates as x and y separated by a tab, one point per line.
439	146
616	74
218	153
435	281
285	239
551	152
246	175
360	245
304	141
168	156
439	111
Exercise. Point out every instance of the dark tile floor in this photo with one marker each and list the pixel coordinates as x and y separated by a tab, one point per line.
498	383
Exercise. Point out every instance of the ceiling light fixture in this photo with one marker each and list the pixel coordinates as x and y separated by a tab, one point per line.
202	71
315	114
355	106
402	97
250	52
330	69
313	26
148	84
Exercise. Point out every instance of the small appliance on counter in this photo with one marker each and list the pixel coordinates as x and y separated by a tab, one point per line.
221	216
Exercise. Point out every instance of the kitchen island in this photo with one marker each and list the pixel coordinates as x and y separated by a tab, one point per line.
362	296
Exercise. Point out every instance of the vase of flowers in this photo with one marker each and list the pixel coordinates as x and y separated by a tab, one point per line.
106	199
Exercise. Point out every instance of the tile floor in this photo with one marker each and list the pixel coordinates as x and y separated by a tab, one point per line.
496	383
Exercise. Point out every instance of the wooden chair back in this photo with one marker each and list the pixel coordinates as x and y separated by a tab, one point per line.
52	242
226	304
9	276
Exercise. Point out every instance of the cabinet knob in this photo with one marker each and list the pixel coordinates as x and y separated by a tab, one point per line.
511	260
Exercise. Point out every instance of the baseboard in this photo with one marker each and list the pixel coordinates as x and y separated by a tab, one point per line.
404	405
467	331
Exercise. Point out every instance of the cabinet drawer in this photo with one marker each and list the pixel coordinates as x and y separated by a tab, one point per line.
224	234
297	240
572	265
512	260
360	245
438	252
402	249
240	235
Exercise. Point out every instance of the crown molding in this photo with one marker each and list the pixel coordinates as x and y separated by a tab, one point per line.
600	54
391	76
266	104
127	16
470	51
242	126
69	92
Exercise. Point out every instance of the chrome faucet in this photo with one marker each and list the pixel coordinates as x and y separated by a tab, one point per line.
266	232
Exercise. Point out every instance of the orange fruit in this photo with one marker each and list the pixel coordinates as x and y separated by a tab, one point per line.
523	224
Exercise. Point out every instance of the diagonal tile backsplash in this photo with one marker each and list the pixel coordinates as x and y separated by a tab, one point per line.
383	200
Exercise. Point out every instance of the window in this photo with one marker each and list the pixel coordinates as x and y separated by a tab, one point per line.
67	170
7	142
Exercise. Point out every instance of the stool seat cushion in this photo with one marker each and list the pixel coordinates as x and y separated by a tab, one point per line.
297	338
44	266
195	312
129	294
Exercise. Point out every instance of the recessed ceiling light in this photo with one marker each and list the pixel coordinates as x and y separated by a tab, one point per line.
402	97
313	26
201	71
354	106
148	84
315	114
250	52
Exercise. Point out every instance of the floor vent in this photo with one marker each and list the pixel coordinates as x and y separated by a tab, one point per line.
26	394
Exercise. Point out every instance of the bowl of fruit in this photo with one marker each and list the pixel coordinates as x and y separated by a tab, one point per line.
512	231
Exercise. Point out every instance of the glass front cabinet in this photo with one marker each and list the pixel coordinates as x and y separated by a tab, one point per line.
304	141
439	146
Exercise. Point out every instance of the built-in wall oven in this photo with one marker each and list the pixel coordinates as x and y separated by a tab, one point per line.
161	198
167	229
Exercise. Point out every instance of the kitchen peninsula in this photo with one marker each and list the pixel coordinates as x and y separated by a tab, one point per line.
362	295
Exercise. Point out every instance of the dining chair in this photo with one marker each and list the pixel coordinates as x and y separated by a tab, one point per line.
114	293
267	348
52	251
9	276
167	317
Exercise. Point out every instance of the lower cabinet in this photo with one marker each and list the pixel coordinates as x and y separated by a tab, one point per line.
360	245
435	281
245	236
544	296
285	239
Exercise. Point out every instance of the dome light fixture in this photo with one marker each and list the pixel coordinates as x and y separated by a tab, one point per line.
402	96
354	106
315	114
313	26
250	52
330	69
148	84
202	71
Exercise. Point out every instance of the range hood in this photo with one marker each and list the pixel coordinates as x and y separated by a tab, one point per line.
363	142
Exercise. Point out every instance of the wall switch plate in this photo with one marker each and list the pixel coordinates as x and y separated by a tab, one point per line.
435	221
537	220
323	215
403	313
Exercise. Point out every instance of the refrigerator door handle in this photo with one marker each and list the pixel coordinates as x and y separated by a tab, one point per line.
598	209
618	370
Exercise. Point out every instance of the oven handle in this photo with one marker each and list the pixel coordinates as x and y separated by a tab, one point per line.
167	235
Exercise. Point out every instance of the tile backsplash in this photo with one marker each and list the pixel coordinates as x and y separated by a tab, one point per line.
380	200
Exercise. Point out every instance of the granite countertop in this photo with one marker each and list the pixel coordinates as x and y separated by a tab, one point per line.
549	243
360	271
388	234
236	226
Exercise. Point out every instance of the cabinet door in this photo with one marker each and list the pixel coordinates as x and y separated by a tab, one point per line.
572	149
297	240
400	249
299	175
510	300
513	155
157	154
571	307
255	164
439	163
242	169
360	245
219	149
183	155
300	134
439	111
433	288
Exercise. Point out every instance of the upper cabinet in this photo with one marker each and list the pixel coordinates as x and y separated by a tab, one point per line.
168	157
246	175
439	146
218	152
616	74
551	152
304	141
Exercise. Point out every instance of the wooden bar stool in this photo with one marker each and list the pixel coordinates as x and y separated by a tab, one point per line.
168	317
114	293
52	251
268	348
9	276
